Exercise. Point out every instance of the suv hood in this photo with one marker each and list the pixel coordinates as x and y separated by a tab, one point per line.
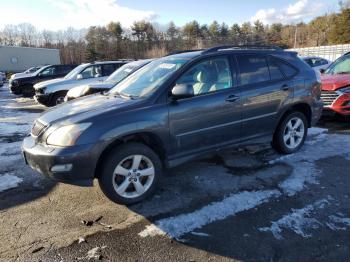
334	82
84	108
51	82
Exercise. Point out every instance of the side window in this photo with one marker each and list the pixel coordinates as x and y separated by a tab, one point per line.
48	71
275	71
253	69
109	69
92	71
288	70
208	76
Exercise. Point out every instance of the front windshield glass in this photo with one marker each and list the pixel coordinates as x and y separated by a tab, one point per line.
340	66
149	78
74	72
121	73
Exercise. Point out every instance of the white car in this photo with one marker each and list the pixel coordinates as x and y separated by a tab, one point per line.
317	63
26	73
53	92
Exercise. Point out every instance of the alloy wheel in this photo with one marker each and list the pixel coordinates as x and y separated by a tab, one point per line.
133	176
294	132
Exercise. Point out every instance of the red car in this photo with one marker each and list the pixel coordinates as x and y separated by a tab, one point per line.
336	87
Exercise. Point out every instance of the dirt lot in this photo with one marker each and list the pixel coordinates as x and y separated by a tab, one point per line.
250	204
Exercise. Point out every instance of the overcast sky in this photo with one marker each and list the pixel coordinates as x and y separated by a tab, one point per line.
60	14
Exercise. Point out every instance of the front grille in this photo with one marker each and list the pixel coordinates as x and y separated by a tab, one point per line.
37	128
329	97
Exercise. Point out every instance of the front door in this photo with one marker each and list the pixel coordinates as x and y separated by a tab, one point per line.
212	116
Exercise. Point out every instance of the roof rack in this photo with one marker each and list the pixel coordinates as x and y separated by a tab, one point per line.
222	47
183	51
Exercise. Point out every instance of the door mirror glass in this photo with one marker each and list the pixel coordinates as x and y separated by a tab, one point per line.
182	91
322	71
79	76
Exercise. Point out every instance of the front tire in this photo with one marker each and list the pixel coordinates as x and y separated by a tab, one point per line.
291	133
130	173
57	98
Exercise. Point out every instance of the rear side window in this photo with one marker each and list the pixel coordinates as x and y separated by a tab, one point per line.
288	70
275	71
109	69
253	69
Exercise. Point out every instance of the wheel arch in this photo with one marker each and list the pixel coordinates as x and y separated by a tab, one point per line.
299	107
149	139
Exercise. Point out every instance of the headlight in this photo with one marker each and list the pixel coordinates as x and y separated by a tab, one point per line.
345	89
66	135
78	91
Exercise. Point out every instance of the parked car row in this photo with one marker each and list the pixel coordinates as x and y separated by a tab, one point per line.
169	111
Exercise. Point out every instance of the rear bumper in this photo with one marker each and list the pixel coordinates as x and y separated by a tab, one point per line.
44	159
316	112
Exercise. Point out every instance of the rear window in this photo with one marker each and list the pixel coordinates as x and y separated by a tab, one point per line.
253	69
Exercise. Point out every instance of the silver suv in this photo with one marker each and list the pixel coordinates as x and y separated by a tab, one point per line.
52	92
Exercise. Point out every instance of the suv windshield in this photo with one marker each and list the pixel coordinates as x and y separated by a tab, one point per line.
75	71
340	66
149	78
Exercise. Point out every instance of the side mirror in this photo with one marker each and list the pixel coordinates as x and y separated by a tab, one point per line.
322	71
182	91
79	77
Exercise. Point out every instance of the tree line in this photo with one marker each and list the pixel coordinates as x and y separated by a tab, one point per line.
145	39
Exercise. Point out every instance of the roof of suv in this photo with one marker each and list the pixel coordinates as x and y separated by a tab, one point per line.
110	62
242	48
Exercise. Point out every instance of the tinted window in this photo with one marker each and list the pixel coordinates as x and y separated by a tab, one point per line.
287	69
253	69
275	72
208	76
92	71
109	69
48	71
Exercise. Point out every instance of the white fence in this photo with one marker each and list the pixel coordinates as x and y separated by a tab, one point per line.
330	52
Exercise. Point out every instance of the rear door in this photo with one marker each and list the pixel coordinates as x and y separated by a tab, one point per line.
264	90
210	118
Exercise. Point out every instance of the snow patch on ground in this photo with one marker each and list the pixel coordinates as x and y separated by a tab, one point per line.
304	173
338	222
179	225
299	221
8	181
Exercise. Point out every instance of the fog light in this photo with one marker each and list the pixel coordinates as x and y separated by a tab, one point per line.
62	168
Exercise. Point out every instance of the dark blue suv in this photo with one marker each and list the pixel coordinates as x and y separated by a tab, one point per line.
175	109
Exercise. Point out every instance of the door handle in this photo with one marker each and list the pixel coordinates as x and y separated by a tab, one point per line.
285	88
232	98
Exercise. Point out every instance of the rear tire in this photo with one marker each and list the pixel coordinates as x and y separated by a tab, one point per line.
291	133
130	173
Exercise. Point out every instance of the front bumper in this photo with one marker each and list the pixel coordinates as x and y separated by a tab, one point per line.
15	89
43	99
43	158
341	105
